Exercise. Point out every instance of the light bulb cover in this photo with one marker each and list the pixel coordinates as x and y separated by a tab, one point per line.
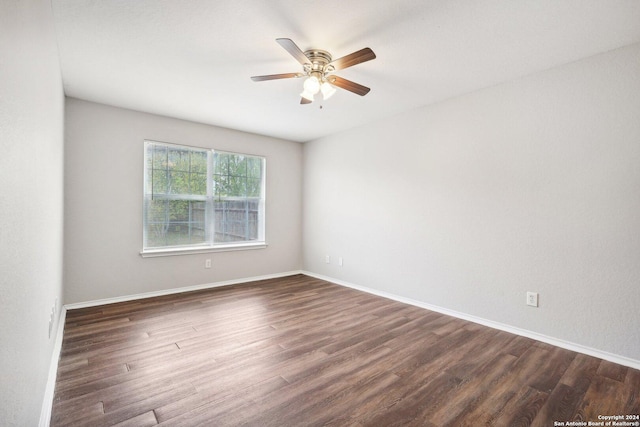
327	90
311	85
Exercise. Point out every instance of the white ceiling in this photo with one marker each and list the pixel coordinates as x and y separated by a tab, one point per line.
193	59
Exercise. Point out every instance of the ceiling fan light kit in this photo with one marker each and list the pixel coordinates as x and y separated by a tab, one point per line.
318	67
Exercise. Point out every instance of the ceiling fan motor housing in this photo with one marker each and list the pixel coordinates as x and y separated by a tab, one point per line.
319	62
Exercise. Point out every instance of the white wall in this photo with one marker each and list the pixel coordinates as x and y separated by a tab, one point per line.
532	185
31	195
103	205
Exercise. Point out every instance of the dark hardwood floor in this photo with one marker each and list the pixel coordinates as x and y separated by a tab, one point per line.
298	351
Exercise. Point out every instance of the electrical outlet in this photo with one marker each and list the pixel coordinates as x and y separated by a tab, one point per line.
327	259
207	263
340	261
532	299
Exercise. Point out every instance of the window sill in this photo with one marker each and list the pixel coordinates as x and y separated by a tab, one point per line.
151	253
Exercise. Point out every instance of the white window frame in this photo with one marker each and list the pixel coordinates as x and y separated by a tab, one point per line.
209	245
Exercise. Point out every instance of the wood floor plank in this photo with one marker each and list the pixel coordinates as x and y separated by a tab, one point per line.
228	411
474	355
523	372
561	405
473	391
612	370
620	398
518	346
418	401
147	419
554	364
300	351
581	372
523	408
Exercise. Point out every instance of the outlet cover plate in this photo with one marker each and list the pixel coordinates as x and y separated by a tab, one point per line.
532	299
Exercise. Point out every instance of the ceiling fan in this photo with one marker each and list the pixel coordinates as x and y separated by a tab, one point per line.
318	68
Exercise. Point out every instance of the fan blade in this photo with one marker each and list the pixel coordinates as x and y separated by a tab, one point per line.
277	76
294	50
304	100
356	88
355	58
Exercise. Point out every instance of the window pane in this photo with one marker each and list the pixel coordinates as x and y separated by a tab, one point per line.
178	182
221	162
174	222
176	171
237	186
232	219
198	183
254	167
199	162
159	182
220	185
159	156
237	165
254	187
178	159
238	193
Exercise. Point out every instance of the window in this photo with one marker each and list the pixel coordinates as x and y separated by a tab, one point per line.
201	199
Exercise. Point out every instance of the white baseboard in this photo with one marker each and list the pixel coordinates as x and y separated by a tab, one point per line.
47	401
621	360
177	290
